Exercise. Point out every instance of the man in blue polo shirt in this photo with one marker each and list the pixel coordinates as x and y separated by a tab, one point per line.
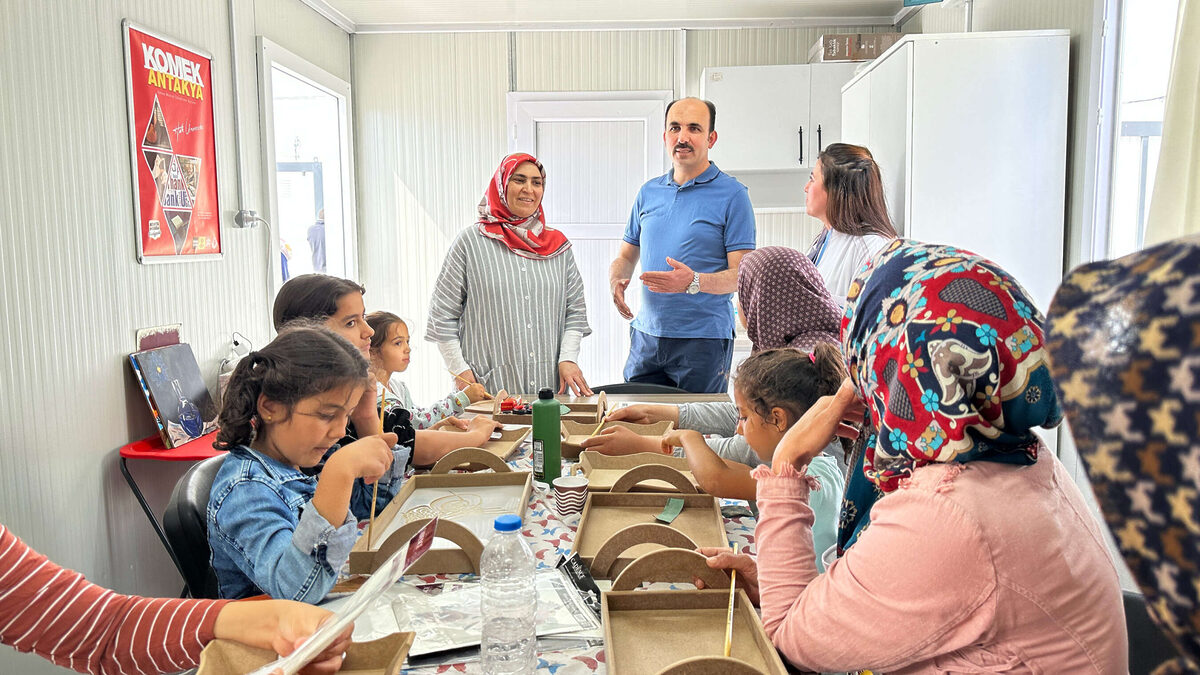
690	229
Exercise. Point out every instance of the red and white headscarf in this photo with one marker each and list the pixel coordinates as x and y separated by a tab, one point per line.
527	237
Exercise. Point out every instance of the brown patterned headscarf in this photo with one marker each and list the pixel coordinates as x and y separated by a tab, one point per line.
785	301
1124	343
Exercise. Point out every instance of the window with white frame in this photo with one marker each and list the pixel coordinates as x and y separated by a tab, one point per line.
1147	30
306	147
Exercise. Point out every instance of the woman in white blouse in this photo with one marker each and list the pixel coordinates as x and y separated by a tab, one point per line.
845	193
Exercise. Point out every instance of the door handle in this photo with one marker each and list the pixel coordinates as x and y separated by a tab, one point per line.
801	132
820	146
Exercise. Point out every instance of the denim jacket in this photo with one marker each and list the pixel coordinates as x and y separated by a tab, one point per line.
265	539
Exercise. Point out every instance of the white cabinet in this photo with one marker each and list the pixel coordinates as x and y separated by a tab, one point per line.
773	118
970	133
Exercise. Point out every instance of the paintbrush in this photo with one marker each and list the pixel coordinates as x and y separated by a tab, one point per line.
729	617
467	382
375	491
597	429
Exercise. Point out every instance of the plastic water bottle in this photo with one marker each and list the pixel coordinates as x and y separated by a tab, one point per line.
508	603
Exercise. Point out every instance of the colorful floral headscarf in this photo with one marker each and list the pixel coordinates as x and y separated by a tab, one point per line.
784	300
946	351
527	237
1124	344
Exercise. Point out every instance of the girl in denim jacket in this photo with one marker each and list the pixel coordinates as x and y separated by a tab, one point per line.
273	528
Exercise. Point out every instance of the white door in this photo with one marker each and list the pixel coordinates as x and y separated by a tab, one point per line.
598	148
762	116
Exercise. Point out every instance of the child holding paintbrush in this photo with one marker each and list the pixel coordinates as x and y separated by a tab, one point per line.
390	355
274	528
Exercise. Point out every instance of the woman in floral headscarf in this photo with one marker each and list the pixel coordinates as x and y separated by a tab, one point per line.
508	308
967	546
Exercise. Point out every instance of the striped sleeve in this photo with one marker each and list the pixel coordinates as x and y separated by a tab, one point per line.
576	301
58	615
449	296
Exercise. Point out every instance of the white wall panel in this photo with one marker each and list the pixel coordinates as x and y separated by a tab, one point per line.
793	229
293	26
754	47
72	293
594	60
429	133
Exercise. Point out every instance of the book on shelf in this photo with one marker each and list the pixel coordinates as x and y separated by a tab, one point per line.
170	379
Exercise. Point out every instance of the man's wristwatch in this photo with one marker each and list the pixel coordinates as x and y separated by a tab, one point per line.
694	287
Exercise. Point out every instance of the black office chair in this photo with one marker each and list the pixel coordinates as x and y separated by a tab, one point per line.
1148	646
638	388
186	524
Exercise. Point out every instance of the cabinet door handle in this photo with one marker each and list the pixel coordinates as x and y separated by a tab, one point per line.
801	132
820	146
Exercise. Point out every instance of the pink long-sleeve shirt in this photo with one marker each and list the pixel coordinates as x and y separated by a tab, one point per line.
967	568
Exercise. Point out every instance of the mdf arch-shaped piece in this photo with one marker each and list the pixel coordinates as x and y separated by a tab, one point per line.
472	459
454	532
647	472
642	533
672	565
710	665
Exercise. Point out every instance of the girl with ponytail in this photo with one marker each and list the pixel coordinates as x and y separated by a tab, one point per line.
773	390
272	527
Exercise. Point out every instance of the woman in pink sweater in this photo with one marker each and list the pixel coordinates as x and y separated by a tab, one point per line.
965	545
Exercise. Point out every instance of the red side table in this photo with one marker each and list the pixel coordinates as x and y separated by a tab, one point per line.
153	448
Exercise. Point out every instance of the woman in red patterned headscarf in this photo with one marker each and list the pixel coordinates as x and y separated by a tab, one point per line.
508	309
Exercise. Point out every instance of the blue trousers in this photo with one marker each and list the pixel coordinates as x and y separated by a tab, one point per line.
698	365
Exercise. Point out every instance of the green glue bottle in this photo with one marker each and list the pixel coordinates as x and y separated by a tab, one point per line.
547	443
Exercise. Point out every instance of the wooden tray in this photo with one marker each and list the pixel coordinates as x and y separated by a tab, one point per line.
575	433
653	631
617	527
384	656
465	520
581	411
603	471
509	442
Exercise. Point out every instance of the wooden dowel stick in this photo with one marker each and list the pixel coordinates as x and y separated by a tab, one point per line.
729	618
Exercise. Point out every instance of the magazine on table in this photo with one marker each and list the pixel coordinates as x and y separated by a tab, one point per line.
354	605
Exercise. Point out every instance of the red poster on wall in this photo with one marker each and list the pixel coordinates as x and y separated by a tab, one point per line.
174	148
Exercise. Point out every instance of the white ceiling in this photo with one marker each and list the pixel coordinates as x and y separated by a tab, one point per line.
372	16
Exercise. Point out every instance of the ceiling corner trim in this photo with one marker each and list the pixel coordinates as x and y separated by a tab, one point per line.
335	16
651	24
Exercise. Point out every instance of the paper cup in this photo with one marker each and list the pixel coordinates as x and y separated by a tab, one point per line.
570	492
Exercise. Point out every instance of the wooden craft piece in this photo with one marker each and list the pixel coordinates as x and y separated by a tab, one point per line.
384	656
503	447
710	665
587	412
471	459
648	472
469	546
603	471
575	433
634	535
672	565
650	631
465	504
